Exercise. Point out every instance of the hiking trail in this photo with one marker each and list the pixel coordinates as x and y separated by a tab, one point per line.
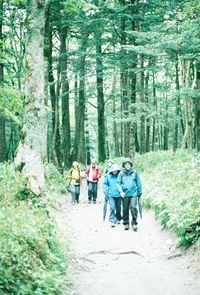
111	261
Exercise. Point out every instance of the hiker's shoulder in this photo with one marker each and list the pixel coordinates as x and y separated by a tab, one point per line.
121	173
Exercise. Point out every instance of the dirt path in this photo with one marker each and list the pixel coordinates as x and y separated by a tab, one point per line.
111	261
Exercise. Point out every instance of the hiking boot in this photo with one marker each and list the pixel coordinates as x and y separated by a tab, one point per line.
126	227
118	221
89	202
94	202
135	227
112	224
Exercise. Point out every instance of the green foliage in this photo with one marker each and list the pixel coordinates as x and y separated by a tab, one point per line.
32	256
11	102
55	181
171	188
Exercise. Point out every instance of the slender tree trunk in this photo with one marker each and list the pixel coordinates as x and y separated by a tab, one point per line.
115	134
100	100
2	118
147	119
142	99
154	118
177	112
66	141
1	40
133	81
56	152
124	88
108	146
188	135
3	156
166	128
87	138
80	145
76	102
32	149
197	112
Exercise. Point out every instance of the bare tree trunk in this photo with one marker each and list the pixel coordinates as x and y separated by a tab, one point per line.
100	100
177	112
2	118
142	99
147	119
114	129
66	140
56	152
188	135
133	66
87	138
124	88
32	149
79	145
1	40
154	119
166	128
197	112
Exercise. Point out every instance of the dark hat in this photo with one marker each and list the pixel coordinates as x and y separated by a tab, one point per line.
126	160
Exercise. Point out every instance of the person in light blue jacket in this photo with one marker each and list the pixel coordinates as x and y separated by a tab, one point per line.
130	188
113	195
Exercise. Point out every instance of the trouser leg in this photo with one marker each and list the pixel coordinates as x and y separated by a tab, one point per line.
112	210
95	186
118	207
73	193
77	193
126	203
90	190
134	211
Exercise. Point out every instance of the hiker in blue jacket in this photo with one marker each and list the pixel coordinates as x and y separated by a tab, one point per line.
130	189
113	195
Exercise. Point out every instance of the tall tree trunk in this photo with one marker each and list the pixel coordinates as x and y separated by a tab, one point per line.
154	118
66	140
166	128
177	112
87	138
1	40
188	135
76	108
115	135
55	134
79	144
124	87
32	149
142	99
2	118
147	119
100	100
197	112
133	81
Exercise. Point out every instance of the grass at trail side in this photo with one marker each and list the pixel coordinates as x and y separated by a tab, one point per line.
32	256
171	187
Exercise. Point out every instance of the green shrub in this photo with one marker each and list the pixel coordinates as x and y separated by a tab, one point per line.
55	180
32	258
172	188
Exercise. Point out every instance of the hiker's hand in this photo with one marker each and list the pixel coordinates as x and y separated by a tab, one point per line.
122	194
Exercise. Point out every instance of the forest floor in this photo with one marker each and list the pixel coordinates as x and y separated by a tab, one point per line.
111	261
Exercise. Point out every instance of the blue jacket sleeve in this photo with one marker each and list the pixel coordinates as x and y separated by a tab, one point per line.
105	185
139	185
119	183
